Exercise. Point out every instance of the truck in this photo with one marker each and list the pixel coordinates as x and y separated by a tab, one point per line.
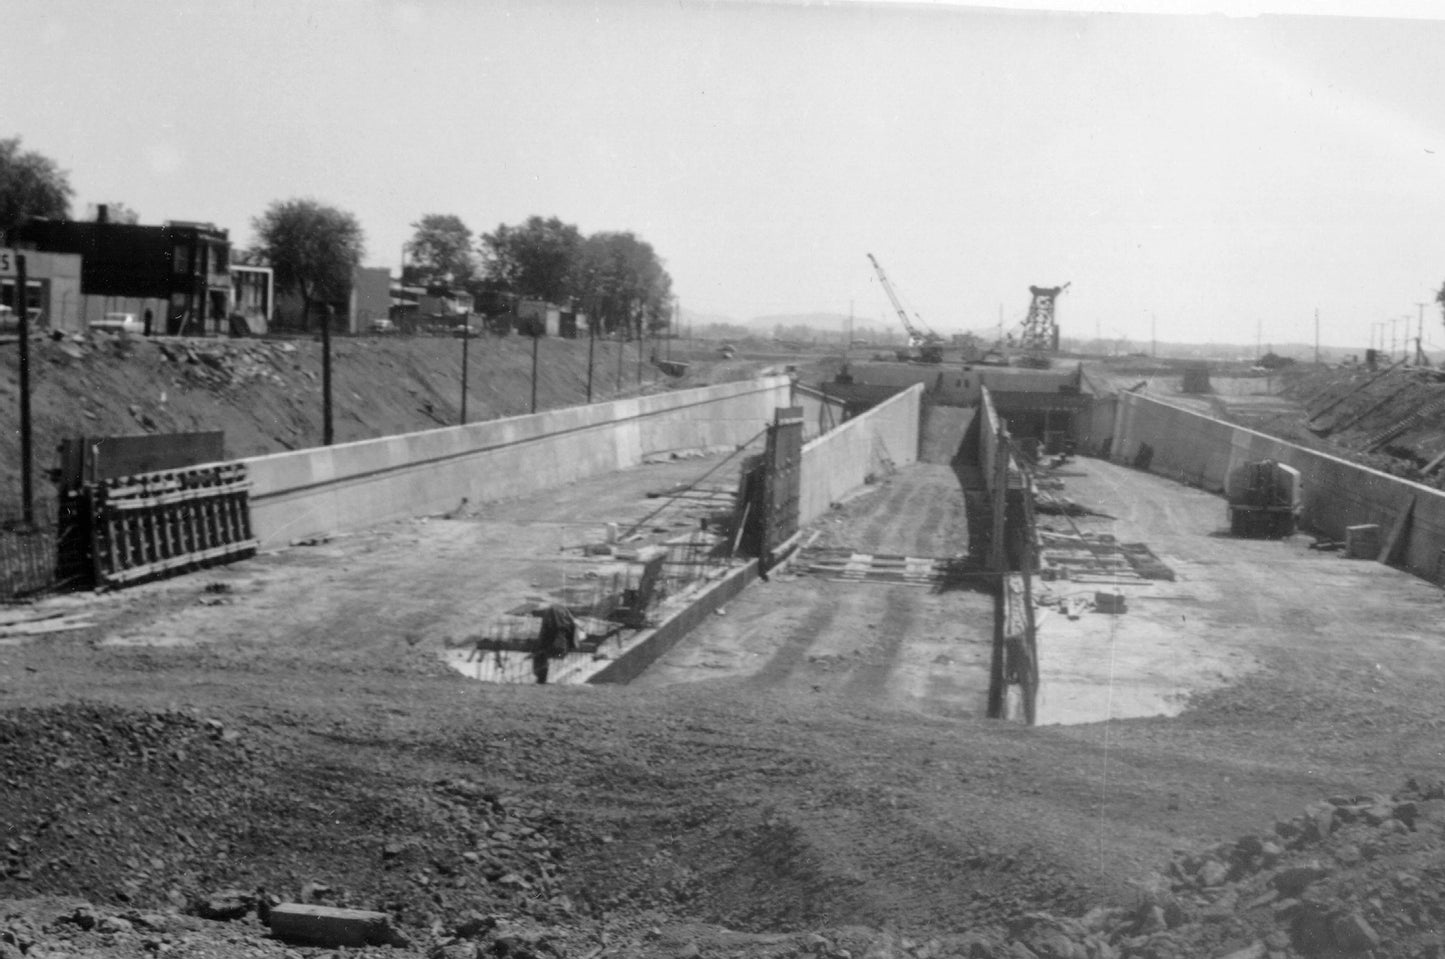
1265	498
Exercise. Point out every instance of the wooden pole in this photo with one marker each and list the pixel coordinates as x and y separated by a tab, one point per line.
535	339
591	353
466	349
22	309
326	432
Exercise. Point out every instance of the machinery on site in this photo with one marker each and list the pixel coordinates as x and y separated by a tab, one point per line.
1039	332
927	344
1264	499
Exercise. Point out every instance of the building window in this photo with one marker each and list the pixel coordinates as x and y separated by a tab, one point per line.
181	259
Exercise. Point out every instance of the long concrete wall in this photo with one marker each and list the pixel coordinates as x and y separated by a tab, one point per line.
841	461
1200	450
961	385
310	492
821	412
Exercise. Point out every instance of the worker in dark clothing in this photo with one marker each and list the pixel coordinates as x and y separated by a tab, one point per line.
540	664
556	638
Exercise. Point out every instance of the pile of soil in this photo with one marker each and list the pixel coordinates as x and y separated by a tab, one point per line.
573	829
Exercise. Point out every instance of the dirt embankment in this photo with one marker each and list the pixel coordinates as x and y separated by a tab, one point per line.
265	394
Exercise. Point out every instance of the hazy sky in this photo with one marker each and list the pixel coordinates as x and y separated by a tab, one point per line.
1218	174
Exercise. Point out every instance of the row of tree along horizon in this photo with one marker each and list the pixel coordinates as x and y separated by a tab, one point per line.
613	277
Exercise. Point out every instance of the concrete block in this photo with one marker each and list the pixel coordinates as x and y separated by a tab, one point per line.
329	926
1363	541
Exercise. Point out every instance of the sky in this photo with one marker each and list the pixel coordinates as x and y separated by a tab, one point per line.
1195	176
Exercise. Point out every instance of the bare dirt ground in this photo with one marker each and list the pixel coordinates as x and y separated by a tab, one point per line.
199	751
896	646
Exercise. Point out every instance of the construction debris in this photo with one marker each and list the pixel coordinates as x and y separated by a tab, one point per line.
1083	557
842	564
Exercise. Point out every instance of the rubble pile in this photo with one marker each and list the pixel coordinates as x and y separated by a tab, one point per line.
155	832
1350	876
229	363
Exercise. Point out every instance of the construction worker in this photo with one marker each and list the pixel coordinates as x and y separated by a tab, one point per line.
556	638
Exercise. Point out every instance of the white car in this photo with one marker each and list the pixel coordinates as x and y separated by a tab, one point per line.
117	323
10	322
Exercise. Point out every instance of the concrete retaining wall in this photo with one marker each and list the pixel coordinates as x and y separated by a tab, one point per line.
821	412
961	385
1200	450
354	485
1094	430
842	460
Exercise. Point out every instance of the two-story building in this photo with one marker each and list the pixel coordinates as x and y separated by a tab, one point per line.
178	272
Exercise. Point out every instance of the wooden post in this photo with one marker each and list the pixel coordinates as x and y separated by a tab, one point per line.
591	352
326	316
466	348
535	338
22	309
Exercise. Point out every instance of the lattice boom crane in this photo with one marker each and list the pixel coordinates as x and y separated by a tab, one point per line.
917	338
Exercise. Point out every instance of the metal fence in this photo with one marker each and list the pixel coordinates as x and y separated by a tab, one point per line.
27	550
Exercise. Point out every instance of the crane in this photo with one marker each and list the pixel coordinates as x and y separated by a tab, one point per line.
928	343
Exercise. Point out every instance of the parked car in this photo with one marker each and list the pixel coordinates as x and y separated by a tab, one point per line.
10	321
383	326
117	323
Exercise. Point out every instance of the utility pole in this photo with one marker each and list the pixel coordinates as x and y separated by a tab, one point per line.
591	352
1153	340
466	348
22	309
1317	336
328	315
1420	357
535	339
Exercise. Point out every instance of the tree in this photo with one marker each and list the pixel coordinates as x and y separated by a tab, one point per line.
620	283
30	185
440	252
536	259
313	249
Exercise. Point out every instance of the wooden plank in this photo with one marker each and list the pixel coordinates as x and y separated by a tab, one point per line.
179	562
139	501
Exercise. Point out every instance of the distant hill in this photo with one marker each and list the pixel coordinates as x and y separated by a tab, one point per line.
688	317
831	322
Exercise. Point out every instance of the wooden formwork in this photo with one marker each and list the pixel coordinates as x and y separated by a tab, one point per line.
156	524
